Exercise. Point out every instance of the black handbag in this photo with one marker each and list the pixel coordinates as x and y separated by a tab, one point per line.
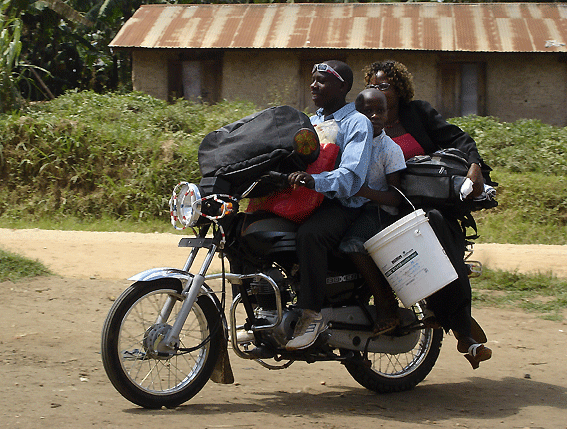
435	181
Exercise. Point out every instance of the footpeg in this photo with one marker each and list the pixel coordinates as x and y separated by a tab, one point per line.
474	268
260	352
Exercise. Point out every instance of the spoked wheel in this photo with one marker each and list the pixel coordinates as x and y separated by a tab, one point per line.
138	366
386	373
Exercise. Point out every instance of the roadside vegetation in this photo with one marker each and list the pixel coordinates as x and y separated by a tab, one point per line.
543	293
92	161
14	267
87	161
85	157
529	160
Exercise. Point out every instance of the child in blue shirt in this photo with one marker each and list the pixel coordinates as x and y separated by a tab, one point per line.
386	163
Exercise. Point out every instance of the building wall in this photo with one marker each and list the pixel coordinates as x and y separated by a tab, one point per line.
149	71
266	78
518	86
420	64
532	86
527	86
277	77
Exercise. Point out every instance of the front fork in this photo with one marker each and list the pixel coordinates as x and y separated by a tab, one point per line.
193	289
191	292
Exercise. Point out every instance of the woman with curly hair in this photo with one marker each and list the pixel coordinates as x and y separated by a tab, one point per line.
414	124
419	129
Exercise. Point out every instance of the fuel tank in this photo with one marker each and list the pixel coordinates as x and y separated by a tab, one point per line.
264	235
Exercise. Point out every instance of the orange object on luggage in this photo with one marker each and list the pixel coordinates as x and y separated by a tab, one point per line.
298	204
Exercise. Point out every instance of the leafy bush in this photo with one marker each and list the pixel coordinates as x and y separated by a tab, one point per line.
529	159
10	48
525	146
532	208
89	155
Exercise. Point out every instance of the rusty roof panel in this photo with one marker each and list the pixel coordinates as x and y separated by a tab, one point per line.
486	27
465	29
372	29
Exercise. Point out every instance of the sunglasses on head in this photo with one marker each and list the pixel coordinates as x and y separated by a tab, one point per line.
382	86
326	68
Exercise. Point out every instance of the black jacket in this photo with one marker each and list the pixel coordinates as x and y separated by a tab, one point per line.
433	132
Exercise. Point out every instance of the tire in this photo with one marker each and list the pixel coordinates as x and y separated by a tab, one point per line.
388	373
141	376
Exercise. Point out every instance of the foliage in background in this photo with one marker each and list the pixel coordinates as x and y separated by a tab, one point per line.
90	155
65	45
10	47
532	208
529	159
14	267
525	146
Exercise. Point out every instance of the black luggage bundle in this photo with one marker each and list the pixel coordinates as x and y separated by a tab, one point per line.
435	181
279	138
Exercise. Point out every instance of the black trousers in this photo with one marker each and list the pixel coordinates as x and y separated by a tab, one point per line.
452	304
322	232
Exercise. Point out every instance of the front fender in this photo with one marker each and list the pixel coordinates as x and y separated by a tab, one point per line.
183	277
162	273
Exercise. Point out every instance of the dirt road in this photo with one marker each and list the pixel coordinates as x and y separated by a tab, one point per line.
53	376
118	255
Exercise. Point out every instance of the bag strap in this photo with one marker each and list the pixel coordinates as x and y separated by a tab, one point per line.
467	221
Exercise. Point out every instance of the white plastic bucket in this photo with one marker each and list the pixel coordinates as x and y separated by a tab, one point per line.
411	258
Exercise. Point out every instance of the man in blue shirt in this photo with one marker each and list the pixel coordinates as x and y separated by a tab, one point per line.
332	80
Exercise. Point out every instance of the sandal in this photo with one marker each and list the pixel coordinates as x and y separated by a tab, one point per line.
478	353
383	326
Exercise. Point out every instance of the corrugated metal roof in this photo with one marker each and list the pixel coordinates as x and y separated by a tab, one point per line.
486	27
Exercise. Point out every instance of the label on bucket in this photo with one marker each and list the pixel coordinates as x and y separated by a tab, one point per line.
406	268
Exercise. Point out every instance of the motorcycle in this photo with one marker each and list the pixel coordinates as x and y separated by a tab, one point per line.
168	333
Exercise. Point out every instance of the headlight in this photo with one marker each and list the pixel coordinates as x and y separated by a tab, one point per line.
185	205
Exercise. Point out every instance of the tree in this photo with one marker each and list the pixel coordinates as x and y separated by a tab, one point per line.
68	41
10	48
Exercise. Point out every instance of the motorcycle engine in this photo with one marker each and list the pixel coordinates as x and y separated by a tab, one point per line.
264	292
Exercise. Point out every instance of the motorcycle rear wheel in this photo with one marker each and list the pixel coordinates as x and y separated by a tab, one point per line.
388	373
143	377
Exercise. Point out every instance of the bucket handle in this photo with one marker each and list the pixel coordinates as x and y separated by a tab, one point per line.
403	195
410	203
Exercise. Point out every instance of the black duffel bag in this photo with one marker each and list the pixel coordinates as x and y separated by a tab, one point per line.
435	181
279	138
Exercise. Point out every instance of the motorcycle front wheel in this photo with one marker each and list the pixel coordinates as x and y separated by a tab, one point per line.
388	373
137	320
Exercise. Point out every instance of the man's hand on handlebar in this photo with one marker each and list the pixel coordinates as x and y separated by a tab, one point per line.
475	174
301	178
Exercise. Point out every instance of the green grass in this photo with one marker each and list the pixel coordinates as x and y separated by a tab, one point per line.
532	209
87	155
529	161
524	146
104	224
14	267
543	293
109	161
